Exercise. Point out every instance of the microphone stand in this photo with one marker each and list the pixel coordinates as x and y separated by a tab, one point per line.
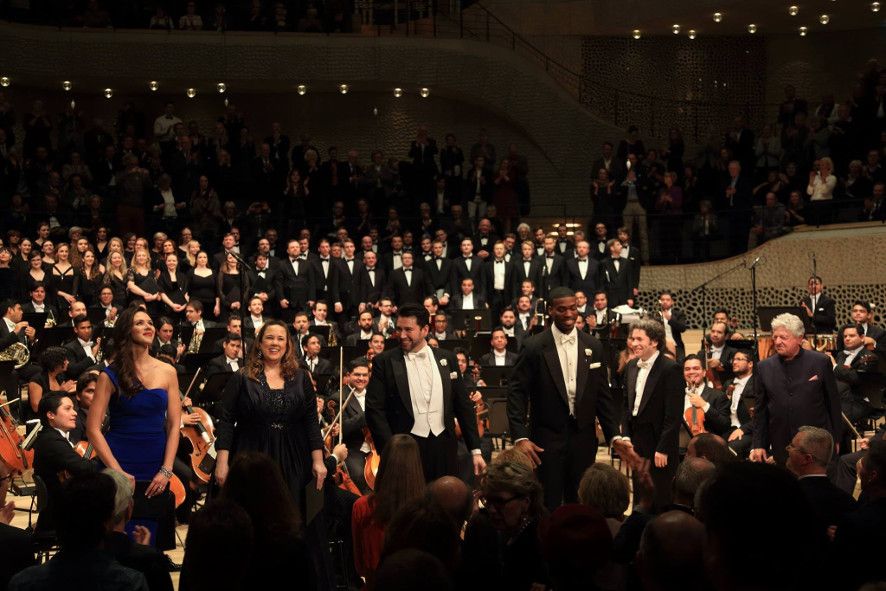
704	294
753	269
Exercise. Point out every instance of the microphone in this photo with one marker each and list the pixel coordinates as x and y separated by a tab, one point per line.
754	264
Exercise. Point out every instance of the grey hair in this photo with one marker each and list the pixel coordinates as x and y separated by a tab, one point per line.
818	443
790	323
123	496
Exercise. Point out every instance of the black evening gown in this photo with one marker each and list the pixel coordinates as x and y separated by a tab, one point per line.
204	290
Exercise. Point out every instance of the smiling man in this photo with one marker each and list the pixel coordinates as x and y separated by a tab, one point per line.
561	375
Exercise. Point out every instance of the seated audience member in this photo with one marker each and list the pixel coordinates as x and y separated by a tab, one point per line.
671	554
845	475
256	484
577	547
454	497
710	447
691	475
499	356
501	542
85	508
809	454
422	524
400	479
861	535
410	569
54	456
702	399
761	531
138	554
219	534
607	490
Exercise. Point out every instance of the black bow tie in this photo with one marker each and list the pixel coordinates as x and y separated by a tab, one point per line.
549	256
370	268
324	259
582	260
499	261
407	269
349	260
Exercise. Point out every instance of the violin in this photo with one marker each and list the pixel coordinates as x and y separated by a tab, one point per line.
711	375
341	477
373	459
694	417
482	412
201	437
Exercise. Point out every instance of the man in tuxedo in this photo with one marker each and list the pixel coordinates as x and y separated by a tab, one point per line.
607	162
719	357
853	366
363	330
874	336
599	248
484	239
497	280
560	374
553	270
311	345
393	259
296	286
467	297
440	327
348	268
735	204
582	270
796	387
819	307
106	305
563	245
408	285
510	326
230	360
417	390
82	352
655	391
370	281
617	276
809	454
264	279
499	356
255	317
325	276
674	322
740	392
439	272
353	422
712	404
38	303
526	266
466	265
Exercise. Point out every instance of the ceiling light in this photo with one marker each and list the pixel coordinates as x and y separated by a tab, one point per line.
108	92
824	19
154	85
793	10
691	33
343	88
425	92
676	29
875	7
5	81
301	89
221	87
752	28
398	92
67	86
718	17
636	34
803	31
191	92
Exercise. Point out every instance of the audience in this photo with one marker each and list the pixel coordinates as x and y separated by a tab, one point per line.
218	549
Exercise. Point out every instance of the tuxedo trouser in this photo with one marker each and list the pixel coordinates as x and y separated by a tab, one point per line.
439	455
563	463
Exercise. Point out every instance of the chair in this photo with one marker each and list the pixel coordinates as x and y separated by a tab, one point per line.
45	541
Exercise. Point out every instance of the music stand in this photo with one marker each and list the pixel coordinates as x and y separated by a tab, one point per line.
210	337
496	376
96	316
765	314
52	337
329	353
466	319
212	390
480	345
37	320
194	361
320	331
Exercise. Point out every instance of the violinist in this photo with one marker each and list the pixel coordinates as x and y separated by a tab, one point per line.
719	355
354	424
740	392
54	457
704	409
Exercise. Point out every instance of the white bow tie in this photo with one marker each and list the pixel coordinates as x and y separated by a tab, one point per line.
567	339
644	364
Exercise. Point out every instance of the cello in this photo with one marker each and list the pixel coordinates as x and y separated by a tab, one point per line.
14	458
342	478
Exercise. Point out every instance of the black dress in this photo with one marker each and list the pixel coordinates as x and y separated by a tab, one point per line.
228	292
8	283
204	290
174	288
88	288
64	282
148	284
118	288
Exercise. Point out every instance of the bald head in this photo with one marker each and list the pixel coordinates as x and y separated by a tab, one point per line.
453	495
691	474
671	552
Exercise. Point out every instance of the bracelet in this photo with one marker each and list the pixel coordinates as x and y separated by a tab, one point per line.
165	472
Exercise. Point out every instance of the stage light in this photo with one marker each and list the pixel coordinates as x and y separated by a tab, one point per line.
803	31
154	85
221	87
875	7
824	19
343	88
691	33
5	81
398	92
793	10
752	28
636	34
718	17
425	92
676	29
67	86
108	92
191	92
301	89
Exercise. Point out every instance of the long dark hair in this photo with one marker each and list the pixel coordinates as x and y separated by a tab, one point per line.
123	362
256	484
288	364
400	478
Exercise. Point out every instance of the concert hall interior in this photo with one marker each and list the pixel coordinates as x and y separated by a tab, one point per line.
519	295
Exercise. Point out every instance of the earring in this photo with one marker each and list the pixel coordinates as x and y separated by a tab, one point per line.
260	354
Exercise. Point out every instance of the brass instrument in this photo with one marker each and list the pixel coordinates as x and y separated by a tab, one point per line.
17	352
50	319
333	339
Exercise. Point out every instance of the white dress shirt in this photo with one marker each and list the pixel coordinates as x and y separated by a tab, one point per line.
851	354
642	376
257	322
717	352
498	275
87	347
426	392
696	390
500	359
360	397
232	363
567	352
737	391
467	302
39	307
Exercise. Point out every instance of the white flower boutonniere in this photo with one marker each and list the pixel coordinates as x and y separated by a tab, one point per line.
443	362
588	353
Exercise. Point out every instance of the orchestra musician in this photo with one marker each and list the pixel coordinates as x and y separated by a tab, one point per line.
819	307
712	403
740	392
354	423
719	358
674	320
853	366
874	336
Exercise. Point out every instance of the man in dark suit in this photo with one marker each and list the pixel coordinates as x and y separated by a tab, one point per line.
616	277
499	356
525	267
553	270
348	268
740	393
497	280
230	360
853	366
467	297
582	270
264	277
408	285
736	196
439	272
466	265
484	239
297	282
675	322
809	454
415	389
564	245
874	336
719	357
325	275
370	280
796	387
363	330
392	259
440	329
311	344
712	404
561	375
820	308
81	351
38	304
654	387
353	422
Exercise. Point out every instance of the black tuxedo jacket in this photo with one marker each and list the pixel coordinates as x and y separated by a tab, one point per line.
538	382
268	284
408	293
49	309
850	378
746	401
488	360
346	282
439	278
716	419
678	327
602	332
460	271
481	244
353	421
879	336
298	289
7	338
458	300
824	315
830	503
387	261
219	364
365	290
556	277
52	455
725	372
792	394
656	426
323	366
78	361
588	284
488	274
520	275
618	285
389	406
325	284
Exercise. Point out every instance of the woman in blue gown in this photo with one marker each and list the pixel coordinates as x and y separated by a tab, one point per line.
141	397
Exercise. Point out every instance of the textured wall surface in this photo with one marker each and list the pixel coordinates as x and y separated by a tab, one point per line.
850	262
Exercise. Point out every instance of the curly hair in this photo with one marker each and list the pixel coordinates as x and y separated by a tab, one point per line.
255	366
517	478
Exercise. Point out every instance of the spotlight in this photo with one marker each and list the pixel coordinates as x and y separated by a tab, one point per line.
73	104
191	92
718	17
793	10
875	7
425	92
108	92
691	33
398	92
221	87
676	29
803	31
824	19
752	28
5	81
343	88
154	85
636	34
301	89
67	86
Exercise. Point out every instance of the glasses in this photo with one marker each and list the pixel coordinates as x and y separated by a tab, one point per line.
498	502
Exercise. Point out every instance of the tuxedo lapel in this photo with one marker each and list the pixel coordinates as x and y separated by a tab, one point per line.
447	385
584	361
631	372
651	380
399	368
553	361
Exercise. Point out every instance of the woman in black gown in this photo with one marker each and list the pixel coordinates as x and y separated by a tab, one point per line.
202	286
173	287
90	277
229	287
